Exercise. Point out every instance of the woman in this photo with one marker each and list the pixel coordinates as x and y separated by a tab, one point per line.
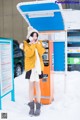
34	68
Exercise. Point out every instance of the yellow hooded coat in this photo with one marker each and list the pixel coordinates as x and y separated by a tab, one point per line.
30	55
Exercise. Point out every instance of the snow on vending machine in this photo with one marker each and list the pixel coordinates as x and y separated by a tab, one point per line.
46	17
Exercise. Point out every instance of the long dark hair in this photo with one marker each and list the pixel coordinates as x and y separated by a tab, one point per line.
32	36
28	41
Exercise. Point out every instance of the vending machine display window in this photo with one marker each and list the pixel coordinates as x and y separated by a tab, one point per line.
45	44
46	54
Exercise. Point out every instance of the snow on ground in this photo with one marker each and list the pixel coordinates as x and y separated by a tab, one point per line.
66	104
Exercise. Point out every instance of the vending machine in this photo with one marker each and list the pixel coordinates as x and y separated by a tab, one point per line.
46	82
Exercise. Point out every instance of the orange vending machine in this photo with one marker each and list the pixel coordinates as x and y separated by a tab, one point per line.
46	83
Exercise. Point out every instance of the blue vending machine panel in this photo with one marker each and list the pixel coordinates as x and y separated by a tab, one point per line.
59	56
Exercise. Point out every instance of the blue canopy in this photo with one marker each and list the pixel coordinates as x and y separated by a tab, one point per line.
43	16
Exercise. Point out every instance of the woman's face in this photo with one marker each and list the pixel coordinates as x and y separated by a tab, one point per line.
35	37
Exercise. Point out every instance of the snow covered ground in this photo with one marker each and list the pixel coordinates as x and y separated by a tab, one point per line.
66	104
